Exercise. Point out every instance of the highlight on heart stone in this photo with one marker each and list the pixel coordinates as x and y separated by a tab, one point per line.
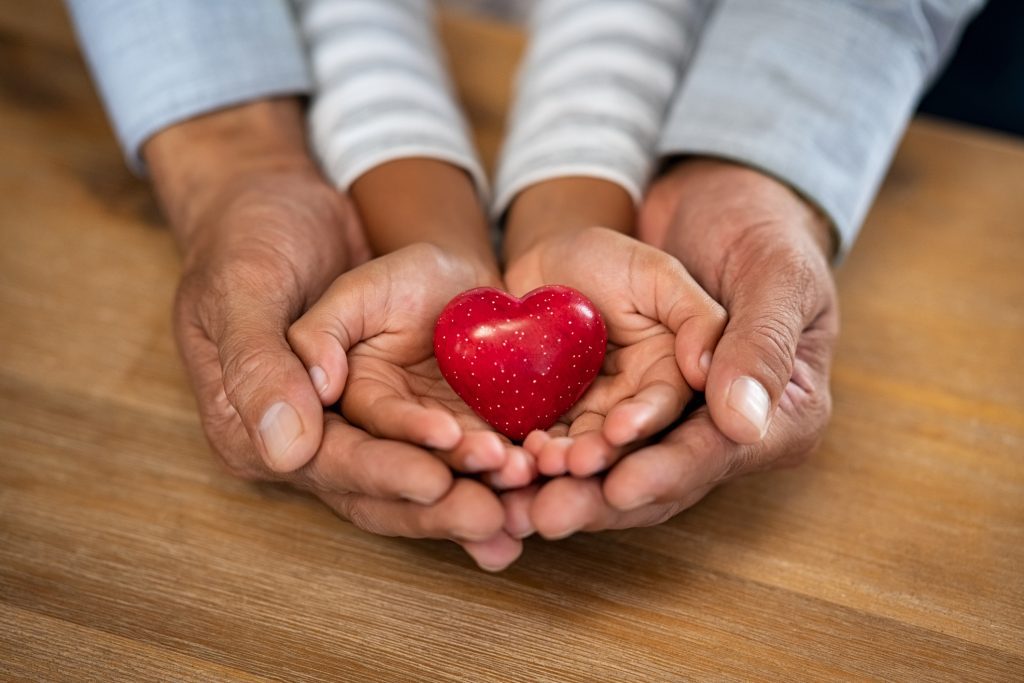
520	364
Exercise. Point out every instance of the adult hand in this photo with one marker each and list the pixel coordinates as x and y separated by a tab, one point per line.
662	329
763	252
262	236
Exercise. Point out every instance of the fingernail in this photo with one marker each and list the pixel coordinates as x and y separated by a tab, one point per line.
643	415
492	568
535	440
319	378
748	398
564	534
417	498
563	442
704	363
638	502
473	463
445	437
524	533
279	429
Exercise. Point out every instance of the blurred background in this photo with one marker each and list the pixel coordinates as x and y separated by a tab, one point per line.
984	83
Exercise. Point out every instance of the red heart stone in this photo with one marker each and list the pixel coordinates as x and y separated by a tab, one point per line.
520	364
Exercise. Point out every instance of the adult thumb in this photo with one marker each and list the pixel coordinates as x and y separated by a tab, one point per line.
770	303
268	386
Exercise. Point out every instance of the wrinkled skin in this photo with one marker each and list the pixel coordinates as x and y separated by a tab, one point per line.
763	252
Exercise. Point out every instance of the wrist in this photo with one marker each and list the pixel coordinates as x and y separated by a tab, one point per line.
743	196
195	164
563	206
406	201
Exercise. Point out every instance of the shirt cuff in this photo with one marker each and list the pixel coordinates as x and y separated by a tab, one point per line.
815	93
160	62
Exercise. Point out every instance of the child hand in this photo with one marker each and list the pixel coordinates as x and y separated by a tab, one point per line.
371	335
662	330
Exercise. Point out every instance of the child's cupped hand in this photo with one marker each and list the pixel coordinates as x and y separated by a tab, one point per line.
368	341
662	330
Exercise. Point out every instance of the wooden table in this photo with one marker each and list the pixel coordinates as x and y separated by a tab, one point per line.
127	553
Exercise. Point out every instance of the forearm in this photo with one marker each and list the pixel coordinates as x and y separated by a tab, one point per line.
160	62
196	161
424	200
383	92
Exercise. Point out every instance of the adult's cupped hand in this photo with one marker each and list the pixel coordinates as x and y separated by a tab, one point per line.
763	252
262	239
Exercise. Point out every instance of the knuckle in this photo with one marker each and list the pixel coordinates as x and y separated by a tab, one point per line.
775	342
189	300
360	517
238	464
300	332
245	366
717	313
228	439
590	234
348	508
315	478
806	432
241	468
742	461
468	515
430	256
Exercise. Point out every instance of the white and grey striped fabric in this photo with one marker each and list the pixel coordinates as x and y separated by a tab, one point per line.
814	92
382	90
592	91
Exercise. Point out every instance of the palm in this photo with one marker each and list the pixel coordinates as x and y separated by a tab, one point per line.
627	369
644	298
403	370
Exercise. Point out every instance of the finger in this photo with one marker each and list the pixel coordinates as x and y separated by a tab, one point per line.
265	382
552	459
467	512
221	423
496	553
348	312
383	412
535	441
589	454
519	470
566	506
326	358
774	299
659	401
517	511
655	406
351	461
696	456
683	307
477	451
681	468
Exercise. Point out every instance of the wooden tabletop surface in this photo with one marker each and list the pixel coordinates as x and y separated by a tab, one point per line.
126	553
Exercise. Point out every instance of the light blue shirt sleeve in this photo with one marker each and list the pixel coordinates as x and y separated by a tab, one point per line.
816	93
160	62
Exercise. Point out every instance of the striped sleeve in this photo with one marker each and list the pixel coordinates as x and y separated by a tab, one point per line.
593	90
382	91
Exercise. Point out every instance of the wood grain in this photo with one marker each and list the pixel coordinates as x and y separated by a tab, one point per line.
126	553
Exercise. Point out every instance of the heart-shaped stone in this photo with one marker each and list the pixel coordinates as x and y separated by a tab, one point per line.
520	364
